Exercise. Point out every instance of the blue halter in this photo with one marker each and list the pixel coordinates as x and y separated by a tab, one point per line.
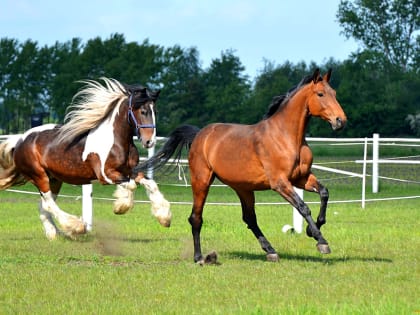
132	119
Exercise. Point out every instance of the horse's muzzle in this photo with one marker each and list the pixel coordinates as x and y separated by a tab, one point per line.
339	123
148	144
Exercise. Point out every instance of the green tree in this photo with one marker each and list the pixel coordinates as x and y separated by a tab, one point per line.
376	99
65	71
132	62
9	50
273	81
28	73
385	27
227	90
182	97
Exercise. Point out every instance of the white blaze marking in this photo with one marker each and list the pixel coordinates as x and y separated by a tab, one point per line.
100	141
153	122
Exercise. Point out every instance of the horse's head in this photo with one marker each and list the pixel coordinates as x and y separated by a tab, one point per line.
142	114
323	103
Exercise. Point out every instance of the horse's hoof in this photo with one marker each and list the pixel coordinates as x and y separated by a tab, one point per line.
165	221
211	258
323	248
81	228
274	257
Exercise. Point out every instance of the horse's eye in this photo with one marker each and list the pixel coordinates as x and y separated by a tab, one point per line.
320	94
143	112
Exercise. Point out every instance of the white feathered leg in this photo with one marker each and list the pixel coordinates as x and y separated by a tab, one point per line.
50	228
125	197
71	224
160	206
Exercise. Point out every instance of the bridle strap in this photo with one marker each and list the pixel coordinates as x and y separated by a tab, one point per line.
132	119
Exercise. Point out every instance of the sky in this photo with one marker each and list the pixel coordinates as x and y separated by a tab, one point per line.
255	30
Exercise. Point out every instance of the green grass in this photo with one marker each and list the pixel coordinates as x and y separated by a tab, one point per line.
131	265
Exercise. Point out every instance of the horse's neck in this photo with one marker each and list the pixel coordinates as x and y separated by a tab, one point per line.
122	129
292	119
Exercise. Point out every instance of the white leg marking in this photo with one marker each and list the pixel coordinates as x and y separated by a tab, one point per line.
160	206
125	197
71	224
50	228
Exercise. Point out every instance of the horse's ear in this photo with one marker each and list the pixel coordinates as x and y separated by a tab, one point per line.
315	76
154	95
327	76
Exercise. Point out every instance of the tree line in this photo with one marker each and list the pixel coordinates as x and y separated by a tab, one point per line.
378	86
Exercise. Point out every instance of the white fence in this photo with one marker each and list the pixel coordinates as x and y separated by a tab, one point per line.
375	142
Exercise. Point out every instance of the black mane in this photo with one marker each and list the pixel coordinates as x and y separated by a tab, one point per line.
279	100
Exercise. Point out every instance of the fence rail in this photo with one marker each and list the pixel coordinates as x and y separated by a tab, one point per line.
375	142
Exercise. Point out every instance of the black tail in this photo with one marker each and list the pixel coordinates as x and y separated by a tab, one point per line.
180	138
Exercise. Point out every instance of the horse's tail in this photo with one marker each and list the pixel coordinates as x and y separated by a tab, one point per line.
182	137
9	176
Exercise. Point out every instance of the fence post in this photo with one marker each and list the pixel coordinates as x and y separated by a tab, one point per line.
150	153
375	163
364	173
297	217
87	206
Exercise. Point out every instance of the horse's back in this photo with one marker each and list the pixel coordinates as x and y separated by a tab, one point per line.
26	147
37	154
230	152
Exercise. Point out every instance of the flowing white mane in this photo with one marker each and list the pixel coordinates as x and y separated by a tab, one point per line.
90	106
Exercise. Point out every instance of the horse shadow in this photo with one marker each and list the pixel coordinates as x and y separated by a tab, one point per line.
307	258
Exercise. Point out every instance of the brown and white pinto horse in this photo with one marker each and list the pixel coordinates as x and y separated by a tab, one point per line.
272	154
95	143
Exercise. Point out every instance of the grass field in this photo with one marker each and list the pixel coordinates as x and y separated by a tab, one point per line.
131	265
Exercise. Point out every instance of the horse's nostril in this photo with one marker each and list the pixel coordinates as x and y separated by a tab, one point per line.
339	123
149	143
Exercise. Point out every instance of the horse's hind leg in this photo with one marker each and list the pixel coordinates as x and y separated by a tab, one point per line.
47	221
250	218
70	224
200	184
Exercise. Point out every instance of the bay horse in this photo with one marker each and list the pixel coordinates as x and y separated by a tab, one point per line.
271	154
94	144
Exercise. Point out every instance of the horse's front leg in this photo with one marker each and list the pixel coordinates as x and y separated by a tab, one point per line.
124	195
160	207
285	189
313	185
